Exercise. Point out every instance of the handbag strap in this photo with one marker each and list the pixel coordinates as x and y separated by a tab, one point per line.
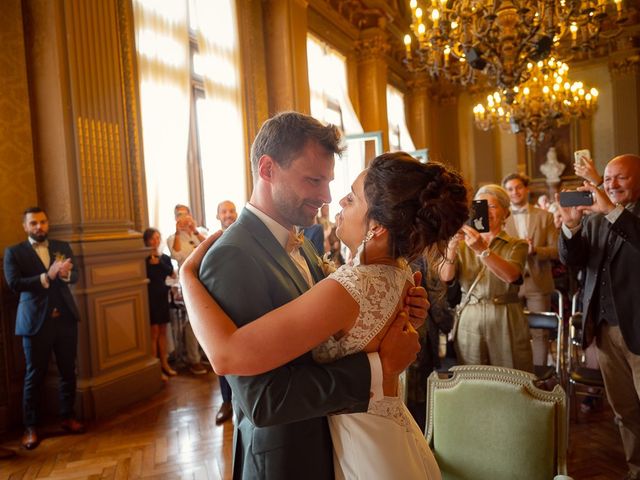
467	296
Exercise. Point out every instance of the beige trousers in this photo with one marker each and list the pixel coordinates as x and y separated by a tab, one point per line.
487	338
621	373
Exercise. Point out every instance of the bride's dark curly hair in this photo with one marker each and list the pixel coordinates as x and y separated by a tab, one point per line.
422	205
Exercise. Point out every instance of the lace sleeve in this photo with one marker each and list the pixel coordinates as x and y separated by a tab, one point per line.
377	290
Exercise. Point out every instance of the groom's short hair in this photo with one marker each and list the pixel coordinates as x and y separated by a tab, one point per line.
286	134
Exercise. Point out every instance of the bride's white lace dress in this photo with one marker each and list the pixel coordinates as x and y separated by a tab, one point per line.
384	443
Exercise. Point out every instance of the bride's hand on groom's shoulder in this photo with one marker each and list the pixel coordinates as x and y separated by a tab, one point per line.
417	302
192	264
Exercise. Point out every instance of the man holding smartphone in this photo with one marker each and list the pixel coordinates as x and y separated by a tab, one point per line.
536	227
606	244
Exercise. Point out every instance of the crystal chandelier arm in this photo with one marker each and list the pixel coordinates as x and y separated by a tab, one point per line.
499	37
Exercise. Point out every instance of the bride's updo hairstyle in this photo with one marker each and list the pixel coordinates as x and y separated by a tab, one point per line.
422	205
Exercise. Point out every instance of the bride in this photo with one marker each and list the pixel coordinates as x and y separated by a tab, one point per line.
396	209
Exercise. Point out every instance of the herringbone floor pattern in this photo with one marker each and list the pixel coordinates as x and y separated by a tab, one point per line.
173	435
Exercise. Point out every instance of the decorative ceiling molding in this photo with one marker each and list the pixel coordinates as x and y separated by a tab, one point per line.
362	14
625	66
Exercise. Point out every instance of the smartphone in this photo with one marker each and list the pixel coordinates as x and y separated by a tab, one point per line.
581	155
479	216
574	198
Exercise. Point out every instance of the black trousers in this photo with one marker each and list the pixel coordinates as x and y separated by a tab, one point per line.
60	336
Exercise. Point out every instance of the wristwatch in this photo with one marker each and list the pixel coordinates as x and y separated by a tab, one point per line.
485	253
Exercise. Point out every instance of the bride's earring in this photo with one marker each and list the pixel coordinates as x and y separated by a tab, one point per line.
368	236
356	258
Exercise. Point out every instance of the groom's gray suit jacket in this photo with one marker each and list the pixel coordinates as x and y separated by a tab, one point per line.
281	430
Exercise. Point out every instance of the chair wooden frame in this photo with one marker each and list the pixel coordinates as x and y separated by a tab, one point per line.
552	323
501	375
579	376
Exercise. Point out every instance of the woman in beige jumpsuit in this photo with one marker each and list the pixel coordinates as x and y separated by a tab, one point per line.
492	329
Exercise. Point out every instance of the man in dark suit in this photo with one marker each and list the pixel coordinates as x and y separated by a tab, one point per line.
227	214
40	270
281	430
607	244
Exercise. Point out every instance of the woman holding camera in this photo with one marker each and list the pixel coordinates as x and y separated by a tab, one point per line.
490	328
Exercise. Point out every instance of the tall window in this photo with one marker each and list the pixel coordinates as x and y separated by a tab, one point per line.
162	41
330	104
399	138
217	112
192	125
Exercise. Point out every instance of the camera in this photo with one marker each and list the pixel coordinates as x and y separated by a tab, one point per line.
575	198
479	216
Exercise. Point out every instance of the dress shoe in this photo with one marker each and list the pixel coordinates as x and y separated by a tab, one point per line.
30	438
197	369
6	453
168	371
225	413
71	425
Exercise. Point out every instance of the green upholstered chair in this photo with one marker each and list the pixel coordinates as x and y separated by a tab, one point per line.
493	423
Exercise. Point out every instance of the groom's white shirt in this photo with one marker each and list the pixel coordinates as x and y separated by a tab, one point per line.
281	234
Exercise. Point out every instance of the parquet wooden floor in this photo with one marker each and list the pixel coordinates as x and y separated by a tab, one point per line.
173	435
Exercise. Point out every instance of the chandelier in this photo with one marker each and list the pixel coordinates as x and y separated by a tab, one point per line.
546	100
456	39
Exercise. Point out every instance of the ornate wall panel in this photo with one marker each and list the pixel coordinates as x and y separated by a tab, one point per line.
119	339
96	79
83	87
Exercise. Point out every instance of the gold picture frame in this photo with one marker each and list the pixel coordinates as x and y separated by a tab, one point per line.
566	140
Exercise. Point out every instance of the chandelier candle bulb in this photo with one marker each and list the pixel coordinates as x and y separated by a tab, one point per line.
498	39
407	45
545	101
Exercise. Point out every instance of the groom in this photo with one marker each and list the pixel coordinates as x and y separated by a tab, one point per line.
281	429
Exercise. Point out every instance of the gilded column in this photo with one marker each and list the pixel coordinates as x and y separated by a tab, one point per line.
625	82
285	26
86	123
254	71
443	131
372	82
17	190
418	105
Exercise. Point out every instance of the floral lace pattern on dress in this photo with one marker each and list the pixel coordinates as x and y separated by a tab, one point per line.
393	409
377	289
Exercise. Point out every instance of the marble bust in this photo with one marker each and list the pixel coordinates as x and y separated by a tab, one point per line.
552	168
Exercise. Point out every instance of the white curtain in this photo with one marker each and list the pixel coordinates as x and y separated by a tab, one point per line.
328	82
396	117
162	41
328	79
219	114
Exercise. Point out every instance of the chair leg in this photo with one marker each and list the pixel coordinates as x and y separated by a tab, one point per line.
569	413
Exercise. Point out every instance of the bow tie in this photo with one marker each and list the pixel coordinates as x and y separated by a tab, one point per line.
519	211
294	241
44	244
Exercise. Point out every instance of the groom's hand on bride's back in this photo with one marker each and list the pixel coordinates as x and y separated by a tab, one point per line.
397	351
